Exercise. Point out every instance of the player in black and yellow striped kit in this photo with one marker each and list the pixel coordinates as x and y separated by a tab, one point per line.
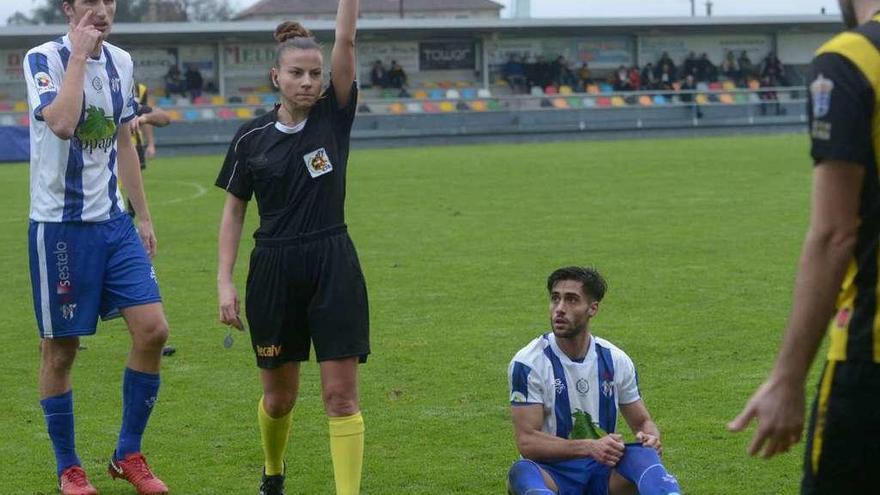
838	279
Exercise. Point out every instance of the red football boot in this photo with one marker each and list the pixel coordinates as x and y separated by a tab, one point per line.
73	481
134	469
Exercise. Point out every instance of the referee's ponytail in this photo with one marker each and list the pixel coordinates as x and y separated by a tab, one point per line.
293	35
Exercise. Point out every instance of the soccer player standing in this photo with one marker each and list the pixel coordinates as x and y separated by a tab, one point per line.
837	284
305	284
86	258
566	388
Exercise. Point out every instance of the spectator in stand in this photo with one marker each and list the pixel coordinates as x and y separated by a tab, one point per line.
635	78
173	82
688	86
649	77
665	59
585	76
562	73
621	79
690	65
378	75
746	67
397	78
706	70
666	77
543	72
730	67
773	66
194	81
770	80
515	74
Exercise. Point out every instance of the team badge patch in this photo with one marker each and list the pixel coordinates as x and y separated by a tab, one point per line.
44	83
97	84
820	91
318	163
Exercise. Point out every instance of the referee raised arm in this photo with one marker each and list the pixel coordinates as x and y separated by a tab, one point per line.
305	285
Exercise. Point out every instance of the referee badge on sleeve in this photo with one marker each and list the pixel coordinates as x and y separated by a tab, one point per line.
820	91
318	163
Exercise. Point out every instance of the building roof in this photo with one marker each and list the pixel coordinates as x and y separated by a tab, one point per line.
293	8
171	33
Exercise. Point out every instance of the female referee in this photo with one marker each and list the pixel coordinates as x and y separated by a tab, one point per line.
305	283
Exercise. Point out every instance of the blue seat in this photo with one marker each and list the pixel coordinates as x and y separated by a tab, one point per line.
660	100
437	94
164	102
192	115
469	93
606	88
270	99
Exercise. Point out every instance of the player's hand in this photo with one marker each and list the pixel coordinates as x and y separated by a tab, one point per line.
607	450
136	124
150	151
649	440
84	36
148	236
778	406
230	306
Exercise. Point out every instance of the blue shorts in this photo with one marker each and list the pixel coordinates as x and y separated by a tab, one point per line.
583	476
80	271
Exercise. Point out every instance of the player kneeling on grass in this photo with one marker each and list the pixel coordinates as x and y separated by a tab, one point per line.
566	387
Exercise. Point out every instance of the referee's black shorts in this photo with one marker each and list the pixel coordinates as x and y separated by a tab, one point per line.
307	290
843	444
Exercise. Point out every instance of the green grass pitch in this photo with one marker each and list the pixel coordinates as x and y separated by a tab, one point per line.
698	239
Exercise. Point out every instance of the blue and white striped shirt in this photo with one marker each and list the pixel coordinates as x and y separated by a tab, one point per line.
75	180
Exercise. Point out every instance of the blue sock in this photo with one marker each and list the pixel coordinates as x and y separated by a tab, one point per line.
139	392
642	466
58	411
525	478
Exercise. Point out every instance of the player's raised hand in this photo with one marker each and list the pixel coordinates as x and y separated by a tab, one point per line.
607	450
649	440
230	306
779	409
84	36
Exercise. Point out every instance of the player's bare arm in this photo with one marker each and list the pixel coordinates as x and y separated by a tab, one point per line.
132	181
63	114
643	427
231	223
779	403
537	445
343	57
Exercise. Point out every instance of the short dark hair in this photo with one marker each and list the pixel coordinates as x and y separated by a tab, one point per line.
592	282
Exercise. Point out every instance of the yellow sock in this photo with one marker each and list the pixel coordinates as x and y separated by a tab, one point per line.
274	433
347	451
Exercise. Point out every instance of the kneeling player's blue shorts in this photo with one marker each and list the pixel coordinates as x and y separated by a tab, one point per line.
81	270
583	476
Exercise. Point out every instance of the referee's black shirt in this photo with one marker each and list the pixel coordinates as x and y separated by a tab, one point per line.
298	179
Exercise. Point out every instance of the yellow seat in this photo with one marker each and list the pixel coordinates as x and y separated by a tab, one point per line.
175	115
618	101
728	85
646	101
252	100
397	108
565	90
447	106
593	89
479	106
702	99
754	84
20	106
244	113
561	103
727	99
420	95
218	100
264	89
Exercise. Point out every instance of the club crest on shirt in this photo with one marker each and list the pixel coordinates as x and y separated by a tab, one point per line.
318	163
582	386
97	84
820	92
44	83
